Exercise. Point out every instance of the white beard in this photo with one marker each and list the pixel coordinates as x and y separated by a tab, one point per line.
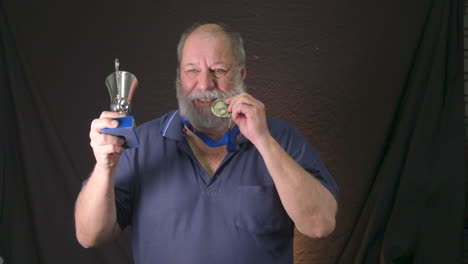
203	118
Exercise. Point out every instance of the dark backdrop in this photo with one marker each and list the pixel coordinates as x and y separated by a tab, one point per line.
376	86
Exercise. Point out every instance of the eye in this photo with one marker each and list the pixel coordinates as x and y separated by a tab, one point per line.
218	72
191	72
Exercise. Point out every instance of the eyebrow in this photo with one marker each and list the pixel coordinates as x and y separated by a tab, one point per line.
214	64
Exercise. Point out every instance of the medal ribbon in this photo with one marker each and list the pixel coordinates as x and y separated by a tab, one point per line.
229	138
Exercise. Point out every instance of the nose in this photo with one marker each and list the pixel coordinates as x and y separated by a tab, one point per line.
206	81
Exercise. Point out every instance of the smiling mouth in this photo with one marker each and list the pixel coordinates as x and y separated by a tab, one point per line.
203	101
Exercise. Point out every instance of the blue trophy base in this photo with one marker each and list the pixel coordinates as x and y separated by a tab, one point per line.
125	129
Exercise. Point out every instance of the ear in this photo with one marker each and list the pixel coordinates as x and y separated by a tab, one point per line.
244	72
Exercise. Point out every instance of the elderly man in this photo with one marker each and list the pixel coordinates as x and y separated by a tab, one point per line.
205	189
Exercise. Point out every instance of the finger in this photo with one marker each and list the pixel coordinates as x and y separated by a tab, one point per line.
234	98
234	106
244	98
103	152
98	124
101	123
114	149
110	114
231	99
241	110
103	139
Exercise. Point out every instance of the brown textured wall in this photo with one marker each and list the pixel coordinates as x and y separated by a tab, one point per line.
313	63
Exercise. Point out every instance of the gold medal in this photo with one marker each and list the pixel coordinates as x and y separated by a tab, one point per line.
220	108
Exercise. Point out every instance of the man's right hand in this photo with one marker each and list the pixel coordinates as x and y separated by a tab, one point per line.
107	148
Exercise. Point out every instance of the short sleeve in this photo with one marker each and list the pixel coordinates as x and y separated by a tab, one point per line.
308	158
124	187
303	153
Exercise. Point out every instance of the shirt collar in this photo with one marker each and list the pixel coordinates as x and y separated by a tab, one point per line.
172	126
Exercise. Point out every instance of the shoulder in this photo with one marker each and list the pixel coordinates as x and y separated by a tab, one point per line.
282	130
150	135
156	124
287	136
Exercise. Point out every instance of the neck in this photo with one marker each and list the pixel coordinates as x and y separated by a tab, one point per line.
214	134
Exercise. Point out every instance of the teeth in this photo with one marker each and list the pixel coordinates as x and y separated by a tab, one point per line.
204	100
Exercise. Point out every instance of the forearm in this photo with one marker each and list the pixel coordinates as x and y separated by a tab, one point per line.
309	204
95	212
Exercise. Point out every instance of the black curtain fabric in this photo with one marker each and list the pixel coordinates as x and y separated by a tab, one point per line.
38	182
416	197
376	87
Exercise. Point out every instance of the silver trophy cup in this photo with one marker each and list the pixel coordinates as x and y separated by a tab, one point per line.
122	86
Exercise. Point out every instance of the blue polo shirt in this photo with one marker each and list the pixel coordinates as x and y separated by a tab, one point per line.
179	214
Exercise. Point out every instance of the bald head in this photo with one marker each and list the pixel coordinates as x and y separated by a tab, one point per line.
213	29
217	31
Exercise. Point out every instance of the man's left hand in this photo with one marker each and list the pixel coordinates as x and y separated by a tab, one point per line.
249	114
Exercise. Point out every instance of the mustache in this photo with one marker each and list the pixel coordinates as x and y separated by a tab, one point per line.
208	95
